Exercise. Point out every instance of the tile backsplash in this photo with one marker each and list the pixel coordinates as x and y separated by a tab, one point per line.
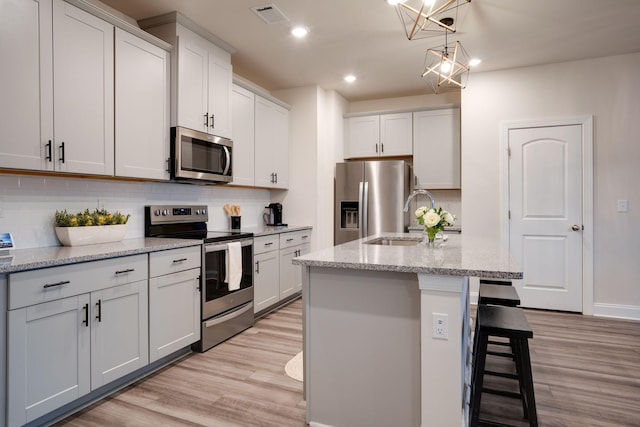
28	203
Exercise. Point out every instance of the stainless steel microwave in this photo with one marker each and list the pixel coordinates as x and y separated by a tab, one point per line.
198	156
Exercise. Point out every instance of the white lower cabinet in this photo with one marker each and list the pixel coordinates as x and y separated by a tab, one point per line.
276	278
63	343
266	277
174	300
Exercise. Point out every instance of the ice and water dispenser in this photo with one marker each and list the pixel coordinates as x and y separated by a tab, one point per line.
349	214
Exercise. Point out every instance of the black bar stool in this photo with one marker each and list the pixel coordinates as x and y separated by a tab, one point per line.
498	292
511	323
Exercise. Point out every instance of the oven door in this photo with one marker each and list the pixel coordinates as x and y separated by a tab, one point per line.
200	156
216	296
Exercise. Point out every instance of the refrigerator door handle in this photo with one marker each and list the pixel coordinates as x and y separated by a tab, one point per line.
365	211
360	190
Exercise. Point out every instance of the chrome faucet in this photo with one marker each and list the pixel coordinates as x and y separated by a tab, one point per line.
414	194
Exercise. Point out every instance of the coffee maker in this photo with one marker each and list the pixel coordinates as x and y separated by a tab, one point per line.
274	214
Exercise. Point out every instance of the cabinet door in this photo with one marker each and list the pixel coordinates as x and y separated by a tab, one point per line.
287	271
48	357
120	331
242	102
26	104
266	280
142	108
396	134
220	78
302	250
83	87
271	144
174	312
436	149
193	76
363	137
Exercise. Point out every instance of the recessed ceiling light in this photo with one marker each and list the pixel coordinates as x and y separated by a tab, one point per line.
474	62
350	78
300	31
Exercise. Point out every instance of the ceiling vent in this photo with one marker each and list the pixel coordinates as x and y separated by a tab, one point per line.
270	14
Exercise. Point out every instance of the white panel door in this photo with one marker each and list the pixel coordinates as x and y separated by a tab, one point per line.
545	202
48	357
83	88
174	312
220	78
26	103
242	102
120	331
142	108
193	63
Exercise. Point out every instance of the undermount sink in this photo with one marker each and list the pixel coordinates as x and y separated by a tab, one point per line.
395	241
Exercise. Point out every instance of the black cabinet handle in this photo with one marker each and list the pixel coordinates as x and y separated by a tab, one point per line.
179	260
206	120
51	285
86	315
376	148
382	145
48	156
62	152
213	121
128	270
268	244
99	315
289	240
258	267
305	237
276	177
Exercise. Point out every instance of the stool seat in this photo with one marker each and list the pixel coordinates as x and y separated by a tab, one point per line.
498	295
511	323
496	282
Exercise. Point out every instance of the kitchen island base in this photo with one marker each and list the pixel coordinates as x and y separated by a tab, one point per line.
370	359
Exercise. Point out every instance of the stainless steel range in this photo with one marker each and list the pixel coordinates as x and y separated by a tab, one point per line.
226	309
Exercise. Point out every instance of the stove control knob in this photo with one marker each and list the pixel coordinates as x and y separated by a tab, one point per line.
204	211
197	211
165	212
156	212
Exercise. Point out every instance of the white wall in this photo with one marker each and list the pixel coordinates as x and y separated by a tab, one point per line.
28	203
608	89
314	138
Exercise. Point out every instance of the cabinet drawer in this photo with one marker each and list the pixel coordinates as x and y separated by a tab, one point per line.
266	243
48	284
294	238
171	261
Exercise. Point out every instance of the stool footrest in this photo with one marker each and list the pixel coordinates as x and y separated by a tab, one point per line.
492	424
502	393
501	354
504	343
502	374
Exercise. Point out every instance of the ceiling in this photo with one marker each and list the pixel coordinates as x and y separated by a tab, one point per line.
365	38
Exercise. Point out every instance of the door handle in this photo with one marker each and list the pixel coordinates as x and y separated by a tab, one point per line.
99	315
85	322
206	120
575	227
48	146
212	121
62	152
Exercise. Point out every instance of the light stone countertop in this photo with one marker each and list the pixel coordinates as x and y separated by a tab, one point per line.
460	255
34	258
265	230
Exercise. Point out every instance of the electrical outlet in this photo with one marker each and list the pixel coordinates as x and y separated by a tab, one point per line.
441	326
623	206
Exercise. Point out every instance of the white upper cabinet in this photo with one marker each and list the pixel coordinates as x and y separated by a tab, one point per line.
382	135
83	88
203	85
141	108
242	103
26	104
436	149
271	144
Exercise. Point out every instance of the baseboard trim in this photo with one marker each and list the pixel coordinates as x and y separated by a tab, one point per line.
630	312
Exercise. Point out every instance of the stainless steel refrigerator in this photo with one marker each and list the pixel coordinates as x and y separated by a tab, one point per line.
370	198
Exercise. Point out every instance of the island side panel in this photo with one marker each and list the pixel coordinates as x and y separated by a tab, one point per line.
362	332
445	362
3	348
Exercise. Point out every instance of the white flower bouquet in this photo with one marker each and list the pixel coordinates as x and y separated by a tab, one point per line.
434	220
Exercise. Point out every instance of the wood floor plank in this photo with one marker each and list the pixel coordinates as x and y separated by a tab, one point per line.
586	372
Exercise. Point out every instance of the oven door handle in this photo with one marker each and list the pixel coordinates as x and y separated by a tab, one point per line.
238	312
223	246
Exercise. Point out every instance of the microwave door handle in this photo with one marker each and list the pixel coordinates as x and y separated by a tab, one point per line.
227	155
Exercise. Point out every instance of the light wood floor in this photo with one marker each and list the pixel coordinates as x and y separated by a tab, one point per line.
586	372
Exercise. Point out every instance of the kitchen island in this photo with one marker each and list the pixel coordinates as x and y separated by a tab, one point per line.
373	354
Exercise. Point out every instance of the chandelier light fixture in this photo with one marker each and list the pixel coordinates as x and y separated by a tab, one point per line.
423	18
447	66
